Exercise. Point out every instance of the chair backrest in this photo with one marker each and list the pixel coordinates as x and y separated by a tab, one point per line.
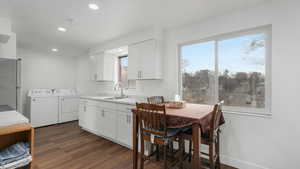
152	118
215	121
155	99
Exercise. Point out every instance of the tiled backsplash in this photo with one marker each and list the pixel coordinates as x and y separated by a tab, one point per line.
143	89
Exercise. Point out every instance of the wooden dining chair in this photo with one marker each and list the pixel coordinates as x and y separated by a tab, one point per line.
156	99
153	128
210	138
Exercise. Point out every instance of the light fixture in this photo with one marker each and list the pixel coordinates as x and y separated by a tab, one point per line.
93	6
62	29
54	50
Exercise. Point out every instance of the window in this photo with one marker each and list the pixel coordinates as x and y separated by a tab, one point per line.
123	73
230	67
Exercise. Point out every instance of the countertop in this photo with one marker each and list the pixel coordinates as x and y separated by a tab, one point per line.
128	101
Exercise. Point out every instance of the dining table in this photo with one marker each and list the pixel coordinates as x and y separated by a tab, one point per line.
196	115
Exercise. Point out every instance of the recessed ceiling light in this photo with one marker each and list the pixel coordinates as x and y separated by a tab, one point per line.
93	6
62	29
54	50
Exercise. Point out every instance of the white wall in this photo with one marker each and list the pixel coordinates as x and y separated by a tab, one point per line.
46	70
250	142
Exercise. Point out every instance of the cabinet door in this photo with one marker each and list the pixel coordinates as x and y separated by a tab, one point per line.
91	117
144	60
109	123
125	128
69	109
108	67
99	66
148	59
8	50
133	62
93	68
82	115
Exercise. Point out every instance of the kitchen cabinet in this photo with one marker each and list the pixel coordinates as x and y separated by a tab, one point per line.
107	123
87	115
102	67
82	114
124	134
90	114
68	109
112	121
8	49
144	60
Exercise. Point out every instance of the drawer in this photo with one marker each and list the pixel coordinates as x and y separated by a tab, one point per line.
83	101
92	103
107	105
125	107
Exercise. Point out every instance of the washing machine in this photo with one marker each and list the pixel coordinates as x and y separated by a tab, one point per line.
42	107
68	105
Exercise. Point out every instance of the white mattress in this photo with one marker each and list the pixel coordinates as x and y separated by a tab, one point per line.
8	118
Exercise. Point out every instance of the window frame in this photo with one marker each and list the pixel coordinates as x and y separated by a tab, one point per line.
267	30
120	67
119	72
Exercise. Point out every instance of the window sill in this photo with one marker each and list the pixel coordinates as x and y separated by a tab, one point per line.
251	114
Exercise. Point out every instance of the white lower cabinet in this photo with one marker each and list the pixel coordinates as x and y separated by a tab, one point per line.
110	120
107	123
87	116
82	114
91	121
124	134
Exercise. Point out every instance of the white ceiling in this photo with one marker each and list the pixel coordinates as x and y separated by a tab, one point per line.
36	21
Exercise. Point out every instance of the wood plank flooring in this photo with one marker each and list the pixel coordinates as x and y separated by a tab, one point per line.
66	146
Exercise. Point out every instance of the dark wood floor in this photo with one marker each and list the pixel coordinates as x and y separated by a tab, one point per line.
66	146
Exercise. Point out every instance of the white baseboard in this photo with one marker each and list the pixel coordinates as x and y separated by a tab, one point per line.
239	163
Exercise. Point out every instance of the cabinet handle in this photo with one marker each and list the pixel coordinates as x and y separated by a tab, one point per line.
84	108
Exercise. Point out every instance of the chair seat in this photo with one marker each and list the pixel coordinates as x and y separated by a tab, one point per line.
171	132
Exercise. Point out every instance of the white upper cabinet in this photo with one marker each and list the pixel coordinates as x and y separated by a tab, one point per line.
8	49
7	40
144	60
102	67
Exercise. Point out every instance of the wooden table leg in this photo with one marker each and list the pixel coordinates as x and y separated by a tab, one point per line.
135	140
196	161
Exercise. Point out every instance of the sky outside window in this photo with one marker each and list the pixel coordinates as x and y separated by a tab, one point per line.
235	54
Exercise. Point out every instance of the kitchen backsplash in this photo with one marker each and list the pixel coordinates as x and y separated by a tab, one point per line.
143	88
